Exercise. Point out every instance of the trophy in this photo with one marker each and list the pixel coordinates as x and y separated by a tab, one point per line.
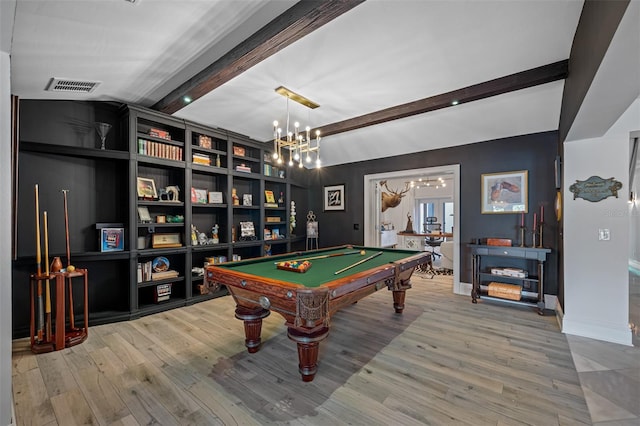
102	129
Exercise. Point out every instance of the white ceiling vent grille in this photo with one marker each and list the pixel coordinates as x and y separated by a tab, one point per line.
71	86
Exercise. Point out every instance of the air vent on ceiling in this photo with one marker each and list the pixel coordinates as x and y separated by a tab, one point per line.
73	86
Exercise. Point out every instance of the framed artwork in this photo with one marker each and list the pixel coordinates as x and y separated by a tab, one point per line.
505	192
147	188
143	214
334	198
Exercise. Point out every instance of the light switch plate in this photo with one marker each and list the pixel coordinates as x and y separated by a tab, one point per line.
604	235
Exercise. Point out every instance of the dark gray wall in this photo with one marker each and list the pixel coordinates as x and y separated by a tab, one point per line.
535	153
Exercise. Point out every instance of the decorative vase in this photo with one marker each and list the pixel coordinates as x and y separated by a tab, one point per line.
56	265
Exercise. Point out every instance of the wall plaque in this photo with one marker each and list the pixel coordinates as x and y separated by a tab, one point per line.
595	188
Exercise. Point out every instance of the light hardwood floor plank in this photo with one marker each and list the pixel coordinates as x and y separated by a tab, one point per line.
443	361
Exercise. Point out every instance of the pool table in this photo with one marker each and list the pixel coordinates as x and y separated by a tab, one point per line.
337	277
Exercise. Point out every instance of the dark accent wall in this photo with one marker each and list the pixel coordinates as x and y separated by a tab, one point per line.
535	153
597	25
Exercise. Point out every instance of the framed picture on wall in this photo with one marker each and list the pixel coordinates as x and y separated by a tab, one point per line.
334	197
505	192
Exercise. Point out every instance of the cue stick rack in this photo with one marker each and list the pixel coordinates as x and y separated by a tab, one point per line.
61	335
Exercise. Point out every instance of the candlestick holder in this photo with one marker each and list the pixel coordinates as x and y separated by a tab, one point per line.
534	233
540	226
523	231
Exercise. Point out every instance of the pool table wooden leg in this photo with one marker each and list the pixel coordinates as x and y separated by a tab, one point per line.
252	326
398	300
308	345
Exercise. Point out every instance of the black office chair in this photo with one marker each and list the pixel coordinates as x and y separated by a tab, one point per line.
432	226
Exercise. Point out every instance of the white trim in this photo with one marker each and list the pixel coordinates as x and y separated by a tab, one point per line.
372	209
605	332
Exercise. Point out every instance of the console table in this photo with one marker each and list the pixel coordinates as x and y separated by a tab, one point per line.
487	260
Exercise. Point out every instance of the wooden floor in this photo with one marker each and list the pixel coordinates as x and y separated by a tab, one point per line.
444	361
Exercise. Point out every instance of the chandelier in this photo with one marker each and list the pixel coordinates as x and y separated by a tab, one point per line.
422	182
300	145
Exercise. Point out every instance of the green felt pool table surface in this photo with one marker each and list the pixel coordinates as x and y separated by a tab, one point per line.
323	270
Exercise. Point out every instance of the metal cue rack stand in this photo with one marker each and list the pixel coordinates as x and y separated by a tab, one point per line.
61	337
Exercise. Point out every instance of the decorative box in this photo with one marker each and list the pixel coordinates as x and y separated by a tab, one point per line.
111	236
162	293
505	291
503	242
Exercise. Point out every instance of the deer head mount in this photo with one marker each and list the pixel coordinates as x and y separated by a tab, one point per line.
393	197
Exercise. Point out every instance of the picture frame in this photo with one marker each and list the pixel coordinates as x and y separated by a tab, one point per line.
204	141
247	199
199	196
146	188
312	229
215	197
144	215
334	198
239	151
505	192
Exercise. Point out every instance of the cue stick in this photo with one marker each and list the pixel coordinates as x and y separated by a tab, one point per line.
40	327
47	292
324	256
66	225
358	263
66	231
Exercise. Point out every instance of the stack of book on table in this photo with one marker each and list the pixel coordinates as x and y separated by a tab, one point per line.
510	272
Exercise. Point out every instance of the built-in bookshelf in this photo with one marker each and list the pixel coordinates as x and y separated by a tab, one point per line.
166	181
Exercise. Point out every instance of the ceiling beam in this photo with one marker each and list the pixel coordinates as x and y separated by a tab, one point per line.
298	21
521	80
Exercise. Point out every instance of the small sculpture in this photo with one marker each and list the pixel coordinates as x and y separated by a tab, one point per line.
214	234
194	235
409	229
173	193
202	239
234	196
292	218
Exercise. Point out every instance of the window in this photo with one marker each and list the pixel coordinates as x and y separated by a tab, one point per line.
441	208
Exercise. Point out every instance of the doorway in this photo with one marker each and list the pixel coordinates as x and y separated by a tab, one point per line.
373	208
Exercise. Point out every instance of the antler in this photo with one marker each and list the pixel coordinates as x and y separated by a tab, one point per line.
395	192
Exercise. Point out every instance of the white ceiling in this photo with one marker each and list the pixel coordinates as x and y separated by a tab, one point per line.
379	54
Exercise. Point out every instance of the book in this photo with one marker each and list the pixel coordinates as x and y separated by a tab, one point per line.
201	159
163	275
269	197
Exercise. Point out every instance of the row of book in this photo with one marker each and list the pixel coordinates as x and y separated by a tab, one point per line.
270	170
159	149
146	273
273	234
